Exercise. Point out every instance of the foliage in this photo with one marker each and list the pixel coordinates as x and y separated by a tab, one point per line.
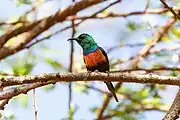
49	87
20	2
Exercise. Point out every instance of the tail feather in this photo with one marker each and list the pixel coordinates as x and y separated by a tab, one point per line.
112	89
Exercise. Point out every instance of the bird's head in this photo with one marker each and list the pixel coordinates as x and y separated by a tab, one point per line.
85	41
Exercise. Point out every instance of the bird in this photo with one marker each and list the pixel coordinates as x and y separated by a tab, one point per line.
95	57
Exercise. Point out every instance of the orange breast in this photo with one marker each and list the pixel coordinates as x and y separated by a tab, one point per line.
93	58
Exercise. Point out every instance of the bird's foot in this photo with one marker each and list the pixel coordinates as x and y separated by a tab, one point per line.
96	71
88	74
107	72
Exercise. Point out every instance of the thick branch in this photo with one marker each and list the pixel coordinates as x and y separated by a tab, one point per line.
40	26
94	76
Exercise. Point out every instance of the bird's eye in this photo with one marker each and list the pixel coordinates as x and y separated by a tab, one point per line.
82	37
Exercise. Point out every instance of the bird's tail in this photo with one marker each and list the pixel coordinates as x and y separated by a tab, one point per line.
112	89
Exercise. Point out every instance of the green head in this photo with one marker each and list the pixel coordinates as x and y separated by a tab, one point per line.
86	42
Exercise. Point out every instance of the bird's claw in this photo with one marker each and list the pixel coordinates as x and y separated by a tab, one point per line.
107	72
88	74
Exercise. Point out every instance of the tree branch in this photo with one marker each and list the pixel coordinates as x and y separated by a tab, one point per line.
31	31
144	108
170	9
94	76
157	37
112	15
71	64
174	111
3	103
22	90
70	26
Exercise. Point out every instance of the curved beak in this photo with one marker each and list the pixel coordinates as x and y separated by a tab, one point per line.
72	39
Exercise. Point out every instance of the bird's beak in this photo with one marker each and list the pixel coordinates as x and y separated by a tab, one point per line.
72	39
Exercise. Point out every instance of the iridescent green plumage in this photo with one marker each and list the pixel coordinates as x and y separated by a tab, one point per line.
95	57
87	43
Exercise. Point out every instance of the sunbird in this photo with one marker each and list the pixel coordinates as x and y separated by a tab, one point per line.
95	58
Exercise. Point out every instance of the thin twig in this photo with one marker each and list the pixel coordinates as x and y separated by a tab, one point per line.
147	5
71	62
115	15
7	74
22	90
103	106
124	45
34	90
152	51
170	9
20	20
35	105
144	108
106	102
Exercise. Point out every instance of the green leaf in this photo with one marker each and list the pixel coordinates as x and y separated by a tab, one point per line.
153	101
72	111
22	65
144	93
133	26
123	90
10	117
1	116
54	64
177	3
157	65
22	69
166	38
50	87
174	73
125	114
176	32
1	30
23	100
94	109
10	42
80	88
20	2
